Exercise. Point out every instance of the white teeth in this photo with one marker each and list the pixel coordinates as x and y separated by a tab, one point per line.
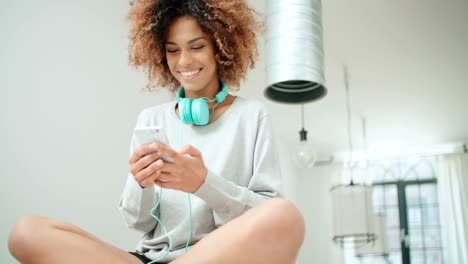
189	73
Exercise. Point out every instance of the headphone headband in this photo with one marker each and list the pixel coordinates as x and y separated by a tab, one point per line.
220	96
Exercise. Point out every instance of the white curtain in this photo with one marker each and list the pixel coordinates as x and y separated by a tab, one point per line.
453	198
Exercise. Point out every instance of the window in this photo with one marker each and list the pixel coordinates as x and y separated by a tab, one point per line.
406	193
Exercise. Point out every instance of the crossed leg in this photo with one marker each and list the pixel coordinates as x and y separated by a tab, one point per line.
269	233
38	240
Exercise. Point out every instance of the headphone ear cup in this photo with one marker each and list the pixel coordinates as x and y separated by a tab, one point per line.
200	112
185	110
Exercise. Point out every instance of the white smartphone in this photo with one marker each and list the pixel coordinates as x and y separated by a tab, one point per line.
149	134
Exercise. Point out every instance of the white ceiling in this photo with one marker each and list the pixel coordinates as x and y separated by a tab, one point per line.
407	62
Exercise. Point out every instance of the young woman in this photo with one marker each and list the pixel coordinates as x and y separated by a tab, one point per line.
217	198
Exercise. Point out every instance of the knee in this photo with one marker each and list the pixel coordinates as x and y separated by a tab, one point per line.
25	235
279	220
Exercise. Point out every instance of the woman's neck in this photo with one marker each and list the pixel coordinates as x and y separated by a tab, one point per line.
209	91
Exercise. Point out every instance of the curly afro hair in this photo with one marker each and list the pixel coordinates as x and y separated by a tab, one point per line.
230	23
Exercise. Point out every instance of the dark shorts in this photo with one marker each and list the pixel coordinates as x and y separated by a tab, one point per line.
141	257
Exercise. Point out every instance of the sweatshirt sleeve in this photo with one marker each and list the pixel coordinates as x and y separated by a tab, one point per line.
230	200
136	202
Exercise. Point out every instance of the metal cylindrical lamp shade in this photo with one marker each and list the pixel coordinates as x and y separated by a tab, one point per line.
353	218
294	51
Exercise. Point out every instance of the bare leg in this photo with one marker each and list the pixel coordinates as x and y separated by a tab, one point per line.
39	240
270	233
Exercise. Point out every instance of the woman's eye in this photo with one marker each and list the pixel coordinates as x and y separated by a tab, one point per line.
198	47
171	51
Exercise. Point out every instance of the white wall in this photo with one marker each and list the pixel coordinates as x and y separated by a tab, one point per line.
313	198
68	103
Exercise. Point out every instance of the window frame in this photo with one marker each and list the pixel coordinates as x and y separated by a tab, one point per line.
403	209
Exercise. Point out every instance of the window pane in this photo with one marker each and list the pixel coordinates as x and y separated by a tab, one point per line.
428	194
377	198
372	260
421	194
393	236
432	237
392	216
417	257
409	173
414	217
425	170
434	256
416	238
431	216
412	195
392	171
395	257
390	195
426	256
377	172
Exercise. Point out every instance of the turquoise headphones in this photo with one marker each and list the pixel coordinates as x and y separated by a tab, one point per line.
197	111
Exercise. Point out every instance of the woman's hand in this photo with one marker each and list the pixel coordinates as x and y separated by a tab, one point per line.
146	168
186	172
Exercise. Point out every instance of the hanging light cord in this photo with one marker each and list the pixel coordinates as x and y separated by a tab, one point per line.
364	134
302	132
348	110
302	115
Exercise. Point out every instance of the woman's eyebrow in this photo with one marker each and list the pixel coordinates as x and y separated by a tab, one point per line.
189	42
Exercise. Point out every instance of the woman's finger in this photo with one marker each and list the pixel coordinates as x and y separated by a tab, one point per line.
168	152
170	168
143	150
143	163
149	170
166	184
164	177
148	181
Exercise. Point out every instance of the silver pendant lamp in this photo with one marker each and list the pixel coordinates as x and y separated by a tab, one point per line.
294	51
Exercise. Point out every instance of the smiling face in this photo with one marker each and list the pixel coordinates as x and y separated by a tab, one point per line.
191	58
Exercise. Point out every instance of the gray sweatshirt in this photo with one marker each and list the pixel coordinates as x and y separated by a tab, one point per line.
243	170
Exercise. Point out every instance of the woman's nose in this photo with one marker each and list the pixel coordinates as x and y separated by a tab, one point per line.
185	58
